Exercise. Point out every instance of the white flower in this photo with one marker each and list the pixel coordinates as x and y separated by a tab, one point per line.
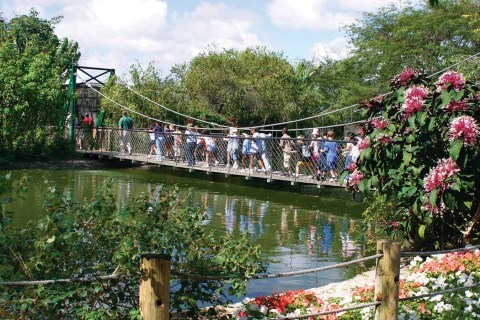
438	297
468	309
468	294
263	309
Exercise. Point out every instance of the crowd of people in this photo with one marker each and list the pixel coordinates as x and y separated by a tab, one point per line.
317	156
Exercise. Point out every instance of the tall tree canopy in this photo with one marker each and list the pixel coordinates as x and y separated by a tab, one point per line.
429	38
32	64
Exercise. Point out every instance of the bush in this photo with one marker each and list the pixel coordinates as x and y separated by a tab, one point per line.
420	149
99	238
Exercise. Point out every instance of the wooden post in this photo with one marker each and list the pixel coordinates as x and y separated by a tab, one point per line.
154	294
387	279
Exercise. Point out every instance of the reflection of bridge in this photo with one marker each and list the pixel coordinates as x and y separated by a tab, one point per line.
304	165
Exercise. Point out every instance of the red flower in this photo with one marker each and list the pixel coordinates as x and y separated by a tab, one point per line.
455	79
464	127
446	168
403	78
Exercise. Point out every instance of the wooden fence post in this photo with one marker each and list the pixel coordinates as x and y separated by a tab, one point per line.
387	279
154	293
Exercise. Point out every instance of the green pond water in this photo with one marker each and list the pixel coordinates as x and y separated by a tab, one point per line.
297	227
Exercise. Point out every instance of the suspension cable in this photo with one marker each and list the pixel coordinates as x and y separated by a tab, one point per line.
222	127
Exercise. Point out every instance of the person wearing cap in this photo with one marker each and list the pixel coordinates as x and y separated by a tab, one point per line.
232	147
125	124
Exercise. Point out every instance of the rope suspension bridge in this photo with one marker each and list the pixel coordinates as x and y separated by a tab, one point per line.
305	156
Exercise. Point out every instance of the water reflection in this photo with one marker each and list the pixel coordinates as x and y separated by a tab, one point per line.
314	232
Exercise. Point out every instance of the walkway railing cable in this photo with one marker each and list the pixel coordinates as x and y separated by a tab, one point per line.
429	253
61	281
222	127
173	111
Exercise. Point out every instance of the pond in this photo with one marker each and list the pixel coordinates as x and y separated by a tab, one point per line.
297	227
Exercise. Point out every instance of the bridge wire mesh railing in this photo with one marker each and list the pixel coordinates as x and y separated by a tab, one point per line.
269	276
297	159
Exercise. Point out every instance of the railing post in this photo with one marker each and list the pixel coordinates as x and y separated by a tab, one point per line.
154	293
387	279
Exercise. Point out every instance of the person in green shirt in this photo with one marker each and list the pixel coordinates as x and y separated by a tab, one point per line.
125	124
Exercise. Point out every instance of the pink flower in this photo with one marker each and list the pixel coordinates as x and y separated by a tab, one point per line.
434	210
355	177
445	169
379	123
416	92
363	143
394	224
456	106
352	166
455	79
360	131
464	127
403	78
383	139
414	100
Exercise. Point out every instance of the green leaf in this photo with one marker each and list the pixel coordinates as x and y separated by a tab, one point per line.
421	231
455	148
407	157
431	124
342	176
446	97
449	200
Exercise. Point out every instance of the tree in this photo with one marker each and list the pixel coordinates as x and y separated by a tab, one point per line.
427	38
32	64
254	86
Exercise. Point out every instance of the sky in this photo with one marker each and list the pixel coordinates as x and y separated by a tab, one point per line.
118	33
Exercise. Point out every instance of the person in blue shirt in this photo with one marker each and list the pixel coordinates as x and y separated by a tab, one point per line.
331	150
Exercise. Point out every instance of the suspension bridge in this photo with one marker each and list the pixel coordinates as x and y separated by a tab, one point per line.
304	156
271	163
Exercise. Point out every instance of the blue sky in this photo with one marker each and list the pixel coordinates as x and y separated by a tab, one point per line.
116	33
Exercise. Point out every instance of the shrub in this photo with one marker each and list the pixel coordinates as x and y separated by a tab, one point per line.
420	150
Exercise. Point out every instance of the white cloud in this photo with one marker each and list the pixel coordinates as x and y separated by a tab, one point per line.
336	49
320	15
115	33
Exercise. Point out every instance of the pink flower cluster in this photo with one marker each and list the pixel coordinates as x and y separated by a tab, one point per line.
464	127
433	210
414	100
379	123
445	168
455	79
456	106
355	177
403	78
383	139
363	143
352	166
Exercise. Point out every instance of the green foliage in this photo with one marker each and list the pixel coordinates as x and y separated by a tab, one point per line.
32	61
421	36
99	238
415	161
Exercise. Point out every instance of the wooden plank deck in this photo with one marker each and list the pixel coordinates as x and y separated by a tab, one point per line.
213	169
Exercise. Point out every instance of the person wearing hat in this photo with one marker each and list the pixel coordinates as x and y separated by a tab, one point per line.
232	147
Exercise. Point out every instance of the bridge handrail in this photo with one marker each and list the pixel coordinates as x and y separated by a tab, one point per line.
339	265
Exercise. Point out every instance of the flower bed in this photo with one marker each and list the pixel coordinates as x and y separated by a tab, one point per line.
440	272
